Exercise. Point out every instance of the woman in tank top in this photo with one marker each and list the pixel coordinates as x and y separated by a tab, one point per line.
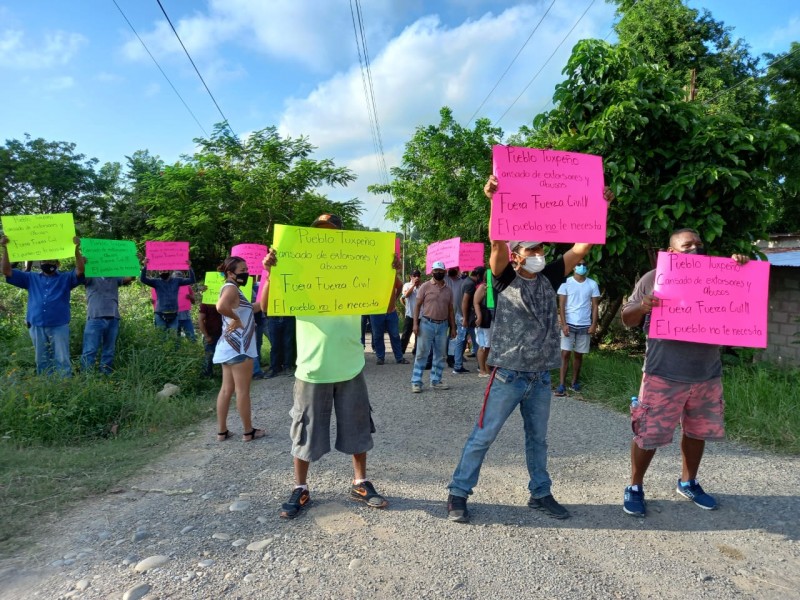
236	349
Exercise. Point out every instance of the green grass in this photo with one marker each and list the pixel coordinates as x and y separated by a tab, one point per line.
762	401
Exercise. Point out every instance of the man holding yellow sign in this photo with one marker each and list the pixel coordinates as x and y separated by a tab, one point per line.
349	272
48	308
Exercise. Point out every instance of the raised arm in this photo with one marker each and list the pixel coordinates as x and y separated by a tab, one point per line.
498	258
80	262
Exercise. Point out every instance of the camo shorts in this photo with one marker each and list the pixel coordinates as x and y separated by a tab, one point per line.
698	407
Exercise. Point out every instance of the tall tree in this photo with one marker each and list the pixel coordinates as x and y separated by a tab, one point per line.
233	191
438	187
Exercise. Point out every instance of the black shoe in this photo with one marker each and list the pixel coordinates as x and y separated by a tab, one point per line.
297	502
259	375
549	506
457	509
460	371
365	492
380	361
451	361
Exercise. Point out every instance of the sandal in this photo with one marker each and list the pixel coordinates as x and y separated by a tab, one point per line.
224	435
253	434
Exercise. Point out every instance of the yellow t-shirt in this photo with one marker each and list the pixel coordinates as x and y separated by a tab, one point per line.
329	349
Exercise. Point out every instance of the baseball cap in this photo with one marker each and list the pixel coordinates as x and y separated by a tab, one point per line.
329	219
438	265
513	245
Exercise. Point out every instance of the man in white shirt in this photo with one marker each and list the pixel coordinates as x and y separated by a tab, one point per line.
578	299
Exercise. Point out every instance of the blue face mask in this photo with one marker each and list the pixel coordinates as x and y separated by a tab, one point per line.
581	270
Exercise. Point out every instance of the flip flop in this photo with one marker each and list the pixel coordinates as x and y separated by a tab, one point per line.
254	434
224	435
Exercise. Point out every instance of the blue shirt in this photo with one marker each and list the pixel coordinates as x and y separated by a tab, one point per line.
166	290
48	296
102	297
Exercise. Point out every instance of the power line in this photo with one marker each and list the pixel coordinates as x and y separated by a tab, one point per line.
513	60
177	93
196	70
546	62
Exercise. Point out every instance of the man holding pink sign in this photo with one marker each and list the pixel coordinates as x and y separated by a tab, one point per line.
681	383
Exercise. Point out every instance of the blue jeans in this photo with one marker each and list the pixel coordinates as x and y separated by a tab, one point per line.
99	335
386	323
261	327
430	335
531	391
208	359
458	346
280	331
187	328
51	347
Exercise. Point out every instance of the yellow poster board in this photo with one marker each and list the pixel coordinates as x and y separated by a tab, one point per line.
39	237
214	281
331	272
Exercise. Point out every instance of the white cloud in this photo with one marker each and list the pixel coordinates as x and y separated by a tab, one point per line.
779	40
56	84
55	49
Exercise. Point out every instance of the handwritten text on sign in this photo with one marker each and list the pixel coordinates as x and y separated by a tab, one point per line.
39	237
330	272
710	300
214	281
252	254
548	196
446	251
110	258
164	256
471	255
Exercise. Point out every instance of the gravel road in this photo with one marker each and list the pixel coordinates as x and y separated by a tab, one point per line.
206	516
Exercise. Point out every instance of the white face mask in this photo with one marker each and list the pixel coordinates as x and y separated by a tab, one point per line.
533	263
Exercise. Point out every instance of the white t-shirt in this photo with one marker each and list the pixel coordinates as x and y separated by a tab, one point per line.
411	300
578	310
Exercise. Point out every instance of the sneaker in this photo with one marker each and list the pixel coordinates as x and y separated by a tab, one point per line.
439	385
365	492
259	375
379	361
403	361
460	370
633	502
297	502
549	506
576	386
692	490
416	388
560	391
457	509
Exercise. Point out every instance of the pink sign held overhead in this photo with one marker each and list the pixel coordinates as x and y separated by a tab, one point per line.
710	300
164	256
471	255
548	196
252	254
446	251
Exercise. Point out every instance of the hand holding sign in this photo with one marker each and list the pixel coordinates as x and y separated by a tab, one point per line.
39	237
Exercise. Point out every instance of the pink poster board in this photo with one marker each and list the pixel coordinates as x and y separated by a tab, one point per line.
710	300
446	251
167	255
183	297
252	254
548	196
471	255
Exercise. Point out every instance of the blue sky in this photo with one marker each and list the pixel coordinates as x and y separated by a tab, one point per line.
73	71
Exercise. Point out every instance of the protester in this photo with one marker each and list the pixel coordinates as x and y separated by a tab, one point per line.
456	344
236	349
467	323
578	301
388	322
102	322
681	383
48	308
261	328
166	287
185	325
329	375
209	321
281	334
525	346
433	314
483	324
409	298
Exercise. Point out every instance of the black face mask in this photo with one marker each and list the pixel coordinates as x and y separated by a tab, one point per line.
48	269
696	250
438	276
164	276
241	278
